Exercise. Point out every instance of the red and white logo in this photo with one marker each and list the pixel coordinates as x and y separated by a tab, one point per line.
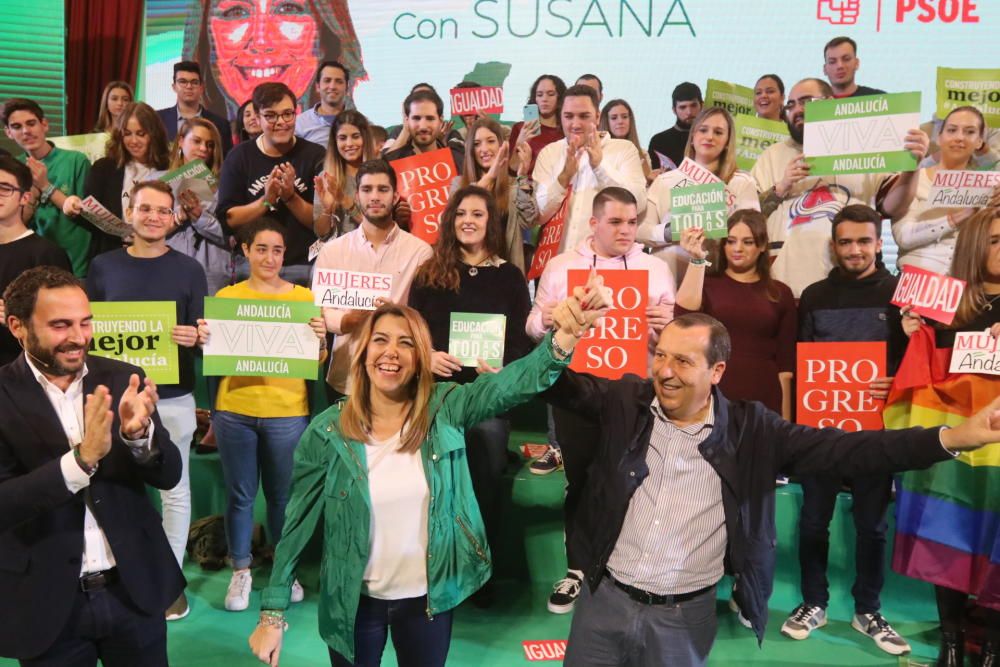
838	12
551	649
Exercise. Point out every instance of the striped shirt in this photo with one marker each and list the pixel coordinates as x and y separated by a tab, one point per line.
673	539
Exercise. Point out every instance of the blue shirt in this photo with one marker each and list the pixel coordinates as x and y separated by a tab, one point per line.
314	126
118	276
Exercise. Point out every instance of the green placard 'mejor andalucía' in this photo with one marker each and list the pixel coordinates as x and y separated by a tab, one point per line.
137	333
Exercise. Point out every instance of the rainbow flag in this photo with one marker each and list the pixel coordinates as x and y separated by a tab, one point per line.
948	516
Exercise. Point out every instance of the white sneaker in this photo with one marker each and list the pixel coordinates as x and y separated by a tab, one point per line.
238	593
803	620
876	627
298	595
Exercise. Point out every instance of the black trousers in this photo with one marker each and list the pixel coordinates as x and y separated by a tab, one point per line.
104	625
871	501
578	439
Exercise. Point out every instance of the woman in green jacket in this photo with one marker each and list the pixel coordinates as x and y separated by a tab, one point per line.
384	472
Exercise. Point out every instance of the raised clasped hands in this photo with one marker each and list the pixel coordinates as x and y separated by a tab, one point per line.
578	312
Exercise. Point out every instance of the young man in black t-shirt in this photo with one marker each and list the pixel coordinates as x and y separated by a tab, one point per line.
671	142
20	248
273	175
840	64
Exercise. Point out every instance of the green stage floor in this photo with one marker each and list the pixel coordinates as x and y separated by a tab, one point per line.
530	559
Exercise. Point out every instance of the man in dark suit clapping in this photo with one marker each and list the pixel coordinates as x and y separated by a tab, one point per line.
85	568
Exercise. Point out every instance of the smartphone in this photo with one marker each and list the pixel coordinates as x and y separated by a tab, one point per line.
530	112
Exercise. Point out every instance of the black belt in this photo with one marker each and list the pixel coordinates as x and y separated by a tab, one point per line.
96	581
645	597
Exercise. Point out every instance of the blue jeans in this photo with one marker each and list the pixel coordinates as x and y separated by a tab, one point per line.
418	641
104	625
255	451
610	629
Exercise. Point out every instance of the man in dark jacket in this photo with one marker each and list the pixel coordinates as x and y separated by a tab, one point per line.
189	88
682	490
851	304
85	568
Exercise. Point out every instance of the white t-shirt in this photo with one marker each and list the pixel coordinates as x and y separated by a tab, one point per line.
924	237
397	561
799	229
134	173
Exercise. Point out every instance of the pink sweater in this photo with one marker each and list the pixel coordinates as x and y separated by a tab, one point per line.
552	285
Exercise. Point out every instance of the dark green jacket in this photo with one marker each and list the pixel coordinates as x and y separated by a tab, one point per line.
330	489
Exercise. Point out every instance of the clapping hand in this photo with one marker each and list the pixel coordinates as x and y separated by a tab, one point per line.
136	408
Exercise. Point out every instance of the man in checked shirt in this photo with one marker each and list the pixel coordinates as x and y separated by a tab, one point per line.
682	491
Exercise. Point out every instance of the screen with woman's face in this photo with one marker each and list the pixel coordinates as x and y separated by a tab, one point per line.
254	41
640	49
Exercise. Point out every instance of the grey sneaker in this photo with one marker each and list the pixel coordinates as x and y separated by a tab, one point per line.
548	462
876	627
803	621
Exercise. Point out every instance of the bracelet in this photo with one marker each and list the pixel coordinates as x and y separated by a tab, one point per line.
700	262
89	470
268	205
274	619
47	193
557	349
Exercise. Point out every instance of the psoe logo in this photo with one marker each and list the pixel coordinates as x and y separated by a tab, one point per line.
943	11
838	12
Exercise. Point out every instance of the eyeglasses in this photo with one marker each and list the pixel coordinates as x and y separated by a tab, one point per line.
803	101
270	117
161	211
188	82
6	190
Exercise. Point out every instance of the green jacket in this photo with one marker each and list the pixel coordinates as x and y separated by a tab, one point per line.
330	488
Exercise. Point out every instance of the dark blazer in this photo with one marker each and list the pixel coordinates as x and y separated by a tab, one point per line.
169	118
41	522
748	446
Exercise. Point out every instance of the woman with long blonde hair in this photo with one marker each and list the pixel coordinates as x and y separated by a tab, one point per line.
116	96
335	210
198	233
384	475
711	146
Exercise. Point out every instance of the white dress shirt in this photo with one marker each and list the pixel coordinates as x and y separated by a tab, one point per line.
68	405
620	166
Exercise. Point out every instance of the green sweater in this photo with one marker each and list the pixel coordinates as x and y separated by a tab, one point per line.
330	488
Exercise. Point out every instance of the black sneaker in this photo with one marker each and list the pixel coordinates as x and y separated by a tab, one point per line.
565	593
548	462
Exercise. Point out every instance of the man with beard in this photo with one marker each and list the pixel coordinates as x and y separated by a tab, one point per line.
800	207
851	304
332	82
424	122
83	559
671	142
378	245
